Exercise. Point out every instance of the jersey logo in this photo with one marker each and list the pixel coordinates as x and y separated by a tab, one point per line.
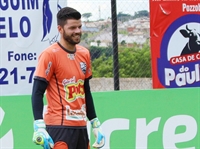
48	68
83	67
71	56
77	114
73	89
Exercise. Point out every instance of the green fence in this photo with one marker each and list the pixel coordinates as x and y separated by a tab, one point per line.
150	119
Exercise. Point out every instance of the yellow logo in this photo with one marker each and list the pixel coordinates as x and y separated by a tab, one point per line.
75	90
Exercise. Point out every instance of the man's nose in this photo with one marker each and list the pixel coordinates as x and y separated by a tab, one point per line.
78	30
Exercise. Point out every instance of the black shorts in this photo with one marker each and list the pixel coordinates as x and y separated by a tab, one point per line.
75	138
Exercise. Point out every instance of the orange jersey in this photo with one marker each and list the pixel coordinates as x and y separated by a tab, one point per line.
65	72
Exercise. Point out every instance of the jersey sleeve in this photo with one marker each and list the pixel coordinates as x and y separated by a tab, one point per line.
88	73
44	67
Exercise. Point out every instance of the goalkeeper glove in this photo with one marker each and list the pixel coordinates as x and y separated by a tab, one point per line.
40	135
99	136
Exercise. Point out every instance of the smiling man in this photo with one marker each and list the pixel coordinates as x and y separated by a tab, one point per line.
64	71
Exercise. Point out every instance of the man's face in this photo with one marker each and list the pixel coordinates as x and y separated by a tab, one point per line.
71	32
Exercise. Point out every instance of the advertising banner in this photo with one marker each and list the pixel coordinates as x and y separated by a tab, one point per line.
150	119
175	43
26	28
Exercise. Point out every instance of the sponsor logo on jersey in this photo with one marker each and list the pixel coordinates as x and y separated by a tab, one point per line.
48	68
83	67
73	89
71	56
77	114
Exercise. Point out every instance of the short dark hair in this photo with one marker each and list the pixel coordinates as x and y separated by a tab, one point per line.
67	13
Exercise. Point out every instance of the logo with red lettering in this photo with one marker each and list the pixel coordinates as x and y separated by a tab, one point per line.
178	65
74	89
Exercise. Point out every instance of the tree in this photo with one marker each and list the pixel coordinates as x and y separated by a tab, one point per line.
97	52
133	62
141	13
123	16
102	67
98	42
87	15
123	43
84	36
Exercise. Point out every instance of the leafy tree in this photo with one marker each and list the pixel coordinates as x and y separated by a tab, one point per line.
87	15
96	52
132	63
102	67
123	42
141	13
84	36
123	16
98	42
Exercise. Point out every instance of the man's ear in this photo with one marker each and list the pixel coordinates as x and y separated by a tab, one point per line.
60	29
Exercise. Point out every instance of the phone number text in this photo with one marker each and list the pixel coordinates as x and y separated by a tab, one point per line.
5	75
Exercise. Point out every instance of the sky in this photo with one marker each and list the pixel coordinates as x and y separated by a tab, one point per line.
101	9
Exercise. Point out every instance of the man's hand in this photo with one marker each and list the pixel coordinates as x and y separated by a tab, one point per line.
100	138
40	135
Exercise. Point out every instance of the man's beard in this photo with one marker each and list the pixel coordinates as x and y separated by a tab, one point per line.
70	40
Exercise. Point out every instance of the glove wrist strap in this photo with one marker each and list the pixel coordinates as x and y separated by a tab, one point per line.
39	124
95	123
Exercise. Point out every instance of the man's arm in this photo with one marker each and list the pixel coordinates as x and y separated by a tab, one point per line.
40	135
39	87
91	114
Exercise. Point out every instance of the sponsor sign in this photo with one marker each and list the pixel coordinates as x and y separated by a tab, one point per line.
26	28
130	120
175	43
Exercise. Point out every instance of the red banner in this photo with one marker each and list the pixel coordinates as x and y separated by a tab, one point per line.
175	43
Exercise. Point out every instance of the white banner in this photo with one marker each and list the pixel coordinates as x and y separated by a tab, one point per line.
26	28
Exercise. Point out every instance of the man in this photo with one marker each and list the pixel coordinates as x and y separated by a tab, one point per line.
63	71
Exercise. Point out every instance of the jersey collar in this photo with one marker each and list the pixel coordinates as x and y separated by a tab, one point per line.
66	49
